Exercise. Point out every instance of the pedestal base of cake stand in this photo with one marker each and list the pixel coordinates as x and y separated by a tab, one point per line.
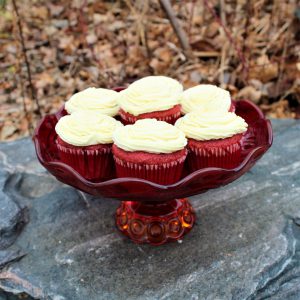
155	223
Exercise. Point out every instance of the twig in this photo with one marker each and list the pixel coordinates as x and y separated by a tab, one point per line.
29	124
224	48
182	37
229	36
84	197
19	77
279	32
282	64
206	53
32	90
190	23
245	36
82	23
141	24
223	12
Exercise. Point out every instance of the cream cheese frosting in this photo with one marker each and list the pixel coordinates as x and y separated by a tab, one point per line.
211	125
85	128
94	99
149	94
150	135
205	97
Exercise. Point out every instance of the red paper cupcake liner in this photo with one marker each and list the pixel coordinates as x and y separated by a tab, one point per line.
170	115
91	162
165	173
217	153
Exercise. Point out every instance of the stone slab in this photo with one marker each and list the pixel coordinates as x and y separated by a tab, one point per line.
245	245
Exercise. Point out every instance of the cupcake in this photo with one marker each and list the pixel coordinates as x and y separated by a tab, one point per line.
150	149
93	99
155	97
214	138
206	97
84	142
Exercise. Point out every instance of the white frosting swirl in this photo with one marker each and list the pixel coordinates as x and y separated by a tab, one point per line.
149	94
150	135
211	125
99	100
85	128
205	97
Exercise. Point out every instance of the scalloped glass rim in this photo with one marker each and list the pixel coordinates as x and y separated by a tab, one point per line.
226	175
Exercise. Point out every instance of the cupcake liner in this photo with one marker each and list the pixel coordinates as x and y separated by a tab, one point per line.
93	163
170	116
166	173
225	156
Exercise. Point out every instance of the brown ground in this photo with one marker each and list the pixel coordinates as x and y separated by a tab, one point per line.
251	48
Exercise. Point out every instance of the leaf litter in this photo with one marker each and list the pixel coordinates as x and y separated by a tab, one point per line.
251	48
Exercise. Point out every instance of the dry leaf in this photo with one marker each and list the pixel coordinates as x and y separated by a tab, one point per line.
40	12
263	69
55	10
44	80
7	131
249	93
164	54
91	38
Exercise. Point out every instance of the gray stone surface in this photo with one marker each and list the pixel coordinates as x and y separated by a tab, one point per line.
245	245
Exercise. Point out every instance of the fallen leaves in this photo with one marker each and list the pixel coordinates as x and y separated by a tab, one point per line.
40	12
278	109
77	44
44	80
263	69
250	93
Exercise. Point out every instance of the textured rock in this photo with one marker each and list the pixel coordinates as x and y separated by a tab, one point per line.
246	244
12	216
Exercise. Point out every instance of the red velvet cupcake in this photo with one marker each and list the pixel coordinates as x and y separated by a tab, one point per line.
151	150
214	139
84	142
155	97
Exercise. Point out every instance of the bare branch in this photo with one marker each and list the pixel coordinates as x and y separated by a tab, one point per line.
32	90
182	37
26	114
190	23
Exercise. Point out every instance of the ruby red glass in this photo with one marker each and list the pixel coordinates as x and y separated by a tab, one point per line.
150	212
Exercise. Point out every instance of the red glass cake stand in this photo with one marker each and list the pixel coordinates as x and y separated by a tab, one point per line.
150	212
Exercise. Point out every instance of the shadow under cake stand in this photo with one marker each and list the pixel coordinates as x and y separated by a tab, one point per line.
150	212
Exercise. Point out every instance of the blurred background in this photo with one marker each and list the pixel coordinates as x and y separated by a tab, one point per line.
52	49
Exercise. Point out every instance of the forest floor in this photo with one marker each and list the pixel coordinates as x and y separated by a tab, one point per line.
251	48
